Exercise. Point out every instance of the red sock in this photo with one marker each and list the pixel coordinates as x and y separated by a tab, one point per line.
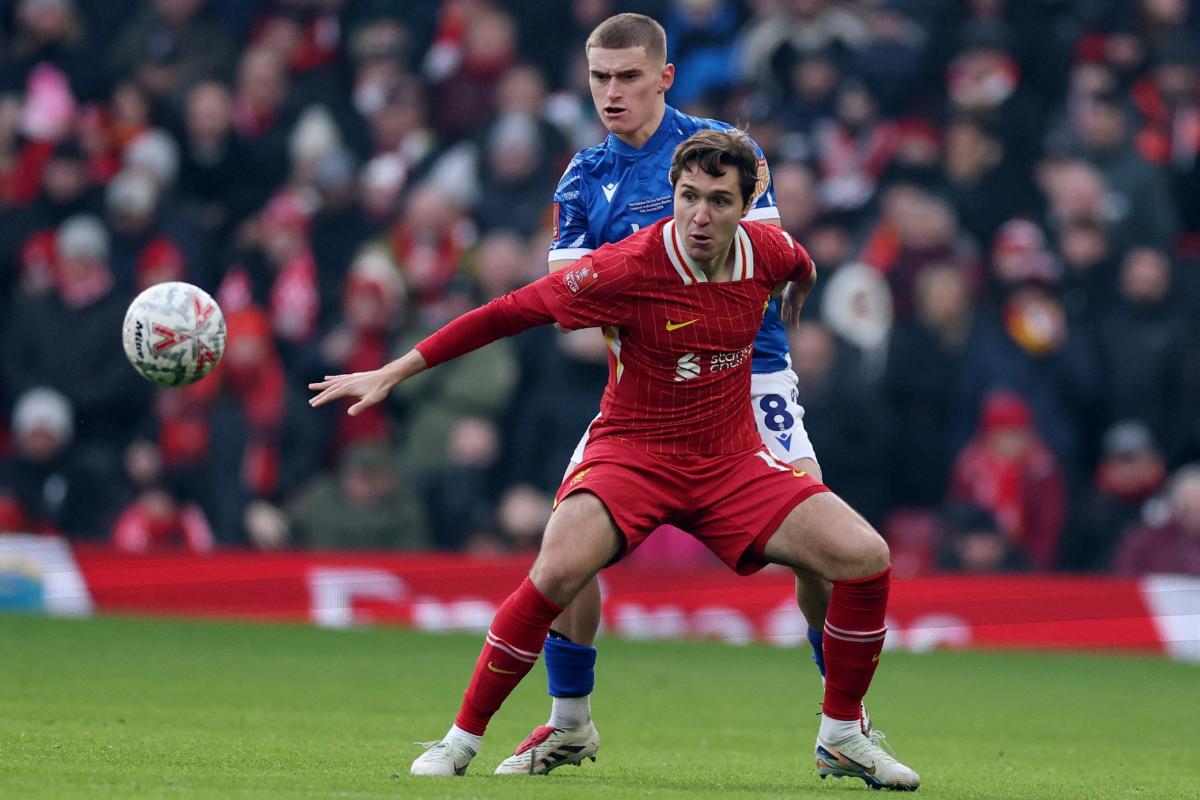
853	640
510	651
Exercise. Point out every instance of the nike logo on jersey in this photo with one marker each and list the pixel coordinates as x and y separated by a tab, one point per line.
674	326
499	671
609	191
785	440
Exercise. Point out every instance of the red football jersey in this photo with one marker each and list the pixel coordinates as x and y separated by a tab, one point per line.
679	345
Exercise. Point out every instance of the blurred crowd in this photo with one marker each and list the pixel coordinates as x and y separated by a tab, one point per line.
1000	364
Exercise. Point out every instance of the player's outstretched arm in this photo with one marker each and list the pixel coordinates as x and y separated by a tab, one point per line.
504	316
370	387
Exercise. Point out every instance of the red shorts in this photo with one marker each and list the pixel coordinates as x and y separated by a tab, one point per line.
733	504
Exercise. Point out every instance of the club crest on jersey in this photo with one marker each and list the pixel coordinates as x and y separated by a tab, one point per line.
764	179
579	279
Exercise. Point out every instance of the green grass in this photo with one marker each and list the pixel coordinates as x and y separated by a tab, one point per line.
135	708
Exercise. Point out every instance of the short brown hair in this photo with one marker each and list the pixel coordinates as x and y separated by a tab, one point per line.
630	30
711	151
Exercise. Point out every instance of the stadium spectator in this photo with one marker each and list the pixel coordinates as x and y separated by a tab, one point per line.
367	504
428	242
1144	340
515	175
479	44
1089	259
170	45
772	43
924	358
561	377
275	270
140	245
985	82
49	485
1173	544
1168	101
157	521
213	168
51	32
1008	470
1131	472
984	185
65	191
373	307
972	542
263	117
917	228
854	427
701	38
436	405
230	429
799	201
854	148
1023	341
1140	196
65	339
339	228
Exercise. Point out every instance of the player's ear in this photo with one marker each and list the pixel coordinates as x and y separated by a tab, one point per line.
666	78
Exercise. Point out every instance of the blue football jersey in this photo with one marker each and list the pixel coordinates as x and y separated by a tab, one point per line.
611	190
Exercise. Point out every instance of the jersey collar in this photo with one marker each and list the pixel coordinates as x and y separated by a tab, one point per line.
660	135
689	271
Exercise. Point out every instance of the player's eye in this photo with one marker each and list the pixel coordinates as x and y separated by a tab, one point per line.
689	196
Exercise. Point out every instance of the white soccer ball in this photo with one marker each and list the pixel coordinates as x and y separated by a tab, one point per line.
174	333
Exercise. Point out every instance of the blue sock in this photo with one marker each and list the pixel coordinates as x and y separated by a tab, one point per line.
570	667
815	639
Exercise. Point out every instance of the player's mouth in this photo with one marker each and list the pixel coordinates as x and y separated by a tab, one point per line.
614	112
699	239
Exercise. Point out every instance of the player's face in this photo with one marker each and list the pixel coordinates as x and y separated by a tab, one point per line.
707	211
628	89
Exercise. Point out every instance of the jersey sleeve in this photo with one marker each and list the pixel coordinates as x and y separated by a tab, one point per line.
764	209
786	259
572	237
590	293
505	316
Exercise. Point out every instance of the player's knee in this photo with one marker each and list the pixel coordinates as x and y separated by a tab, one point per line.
879	555
559	578
874	555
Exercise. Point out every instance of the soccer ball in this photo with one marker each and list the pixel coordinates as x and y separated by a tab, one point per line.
174	333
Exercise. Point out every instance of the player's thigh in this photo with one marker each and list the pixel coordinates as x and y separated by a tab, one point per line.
580	539
827	537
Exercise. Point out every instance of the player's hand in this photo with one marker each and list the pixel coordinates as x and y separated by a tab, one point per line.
794	295
369	387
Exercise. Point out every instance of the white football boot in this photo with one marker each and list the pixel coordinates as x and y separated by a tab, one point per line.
548	748
864	757
446	758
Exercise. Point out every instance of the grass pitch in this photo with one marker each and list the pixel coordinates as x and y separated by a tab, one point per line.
135	708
